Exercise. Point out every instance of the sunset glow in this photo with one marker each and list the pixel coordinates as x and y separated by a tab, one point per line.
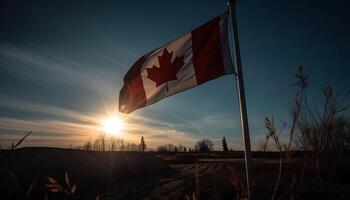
112	125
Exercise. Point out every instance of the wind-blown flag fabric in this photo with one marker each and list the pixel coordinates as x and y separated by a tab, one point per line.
193	59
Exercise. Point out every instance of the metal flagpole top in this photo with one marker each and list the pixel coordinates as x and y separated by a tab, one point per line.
229	2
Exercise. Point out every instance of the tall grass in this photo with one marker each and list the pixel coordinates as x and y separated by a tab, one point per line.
318	131
12	173
67	190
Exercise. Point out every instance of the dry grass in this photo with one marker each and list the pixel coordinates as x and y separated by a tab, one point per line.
68	190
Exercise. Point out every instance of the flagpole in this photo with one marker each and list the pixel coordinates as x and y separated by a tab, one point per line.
241	97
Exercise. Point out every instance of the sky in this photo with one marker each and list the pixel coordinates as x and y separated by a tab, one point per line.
62	64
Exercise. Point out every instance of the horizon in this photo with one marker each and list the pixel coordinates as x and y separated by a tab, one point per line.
61	68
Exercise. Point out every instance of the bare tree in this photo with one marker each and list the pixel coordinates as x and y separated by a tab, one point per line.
87	146
112	144
166	148
204	146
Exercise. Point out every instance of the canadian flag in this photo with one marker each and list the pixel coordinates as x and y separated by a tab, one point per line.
195	58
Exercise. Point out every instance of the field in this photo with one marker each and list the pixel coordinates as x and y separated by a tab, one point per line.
134	175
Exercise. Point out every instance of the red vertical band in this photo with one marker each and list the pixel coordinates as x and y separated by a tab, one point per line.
132	96
207	51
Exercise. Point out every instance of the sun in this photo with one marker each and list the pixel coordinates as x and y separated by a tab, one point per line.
112	125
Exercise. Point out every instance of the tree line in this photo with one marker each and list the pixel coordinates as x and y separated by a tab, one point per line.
109	143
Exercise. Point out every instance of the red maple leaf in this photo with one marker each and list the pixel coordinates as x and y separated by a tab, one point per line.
167	70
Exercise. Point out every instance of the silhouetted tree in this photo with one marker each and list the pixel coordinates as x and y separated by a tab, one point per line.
204	146
112	144
224	145
87	146
180	148
100	143
166	148
142	144
133	147
103	141
122	146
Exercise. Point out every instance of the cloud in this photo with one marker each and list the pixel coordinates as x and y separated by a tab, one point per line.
48	126
222	121
9	102
43	66
67	124
59	73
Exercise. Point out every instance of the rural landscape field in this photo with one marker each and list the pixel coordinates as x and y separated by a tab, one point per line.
53	173
174	100
310	161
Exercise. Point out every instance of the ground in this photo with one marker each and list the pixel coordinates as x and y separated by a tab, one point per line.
136	175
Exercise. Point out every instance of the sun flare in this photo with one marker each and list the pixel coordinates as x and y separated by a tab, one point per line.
112	125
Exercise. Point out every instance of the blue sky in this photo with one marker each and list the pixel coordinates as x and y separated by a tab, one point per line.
62	63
